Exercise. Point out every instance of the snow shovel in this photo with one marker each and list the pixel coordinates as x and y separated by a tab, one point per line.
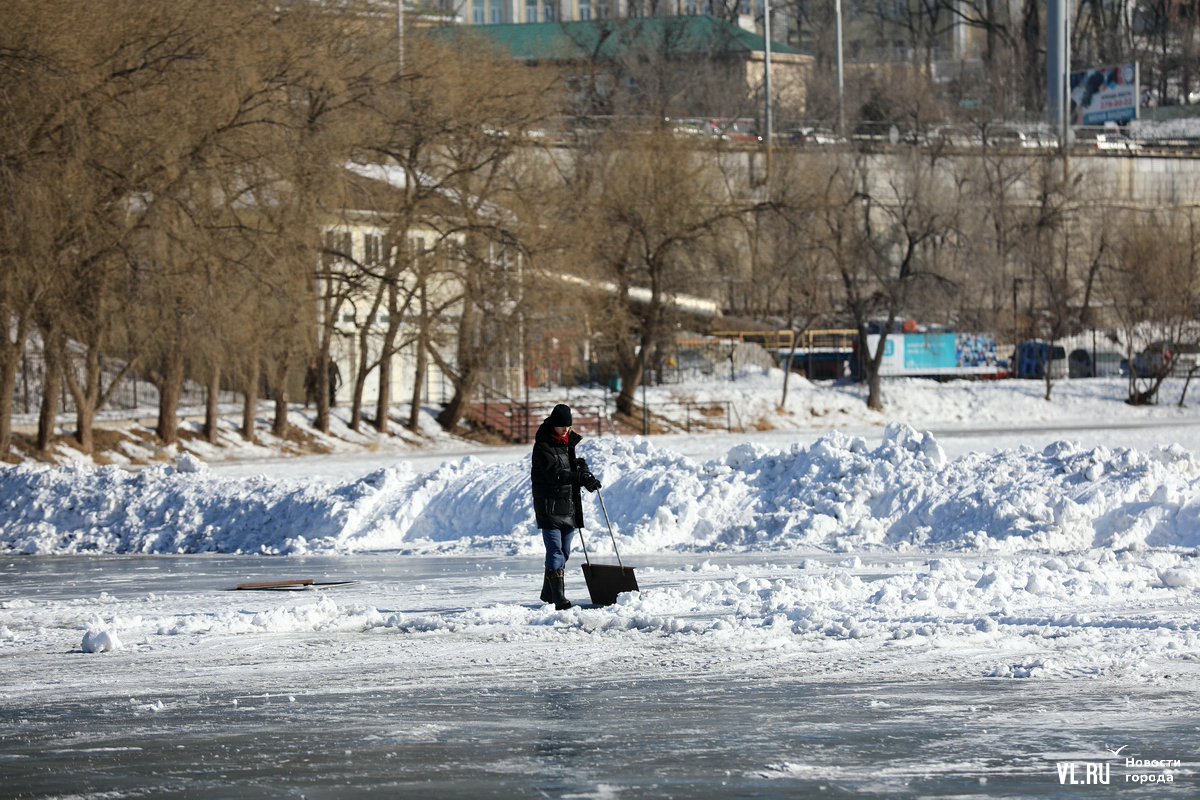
606	581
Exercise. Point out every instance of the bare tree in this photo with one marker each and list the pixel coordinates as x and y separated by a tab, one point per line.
463	187
1152	282
1041	229
797	285
884	235
650	209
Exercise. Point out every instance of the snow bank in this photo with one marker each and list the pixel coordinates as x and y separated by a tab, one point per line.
838	493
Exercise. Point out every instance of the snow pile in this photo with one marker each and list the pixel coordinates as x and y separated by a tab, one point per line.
100	641
838	493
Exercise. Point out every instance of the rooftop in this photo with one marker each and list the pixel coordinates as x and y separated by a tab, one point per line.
609	38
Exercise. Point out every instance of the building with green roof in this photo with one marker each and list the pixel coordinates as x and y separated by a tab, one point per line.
674	66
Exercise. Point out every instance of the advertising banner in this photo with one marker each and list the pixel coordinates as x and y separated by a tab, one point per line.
1106	94
916	353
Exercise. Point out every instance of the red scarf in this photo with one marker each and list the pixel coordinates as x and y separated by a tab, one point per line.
562	438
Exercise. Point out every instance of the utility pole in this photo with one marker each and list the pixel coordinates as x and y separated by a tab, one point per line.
841	81
1058	68
767	120
400	32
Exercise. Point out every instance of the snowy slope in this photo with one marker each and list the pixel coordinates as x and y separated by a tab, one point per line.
835	494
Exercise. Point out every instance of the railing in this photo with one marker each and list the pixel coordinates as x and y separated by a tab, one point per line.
519	420
697	416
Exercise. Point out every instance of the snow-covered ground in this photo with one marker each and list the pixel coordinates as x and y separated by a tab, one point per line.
977	594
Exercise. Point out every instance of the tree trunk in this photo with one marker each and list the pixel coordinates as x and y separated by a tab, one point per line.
414	412
1187	382
280	426
870	363
321	423
169	391
90	394
51	387
12	351
457	407
787	372
360	385
364	358
384	401
250	404
86	396
212	403
1046	375
874	391
8	384
387	351
631	379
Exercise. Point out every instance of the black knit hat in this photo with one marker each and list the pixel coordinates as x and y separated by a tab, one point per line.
560	417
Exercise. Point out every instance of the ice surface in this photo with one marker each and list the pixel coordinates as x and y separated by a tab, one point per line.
733	674
866	612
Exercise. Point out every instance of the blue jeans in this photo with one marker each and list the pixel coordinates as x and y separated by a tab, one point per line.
558	546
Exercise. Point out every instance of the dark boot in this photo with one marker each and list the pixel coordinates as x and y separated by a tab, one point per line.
547	592
559	590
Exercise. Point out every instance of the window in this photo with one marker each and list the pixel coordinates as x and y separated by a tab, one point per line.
339	247
497	12
691	8
585	9
478	12
550	10
372	250
531	8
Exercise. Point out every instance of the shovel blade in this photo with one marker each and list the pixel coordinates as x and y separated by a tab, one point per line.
606	581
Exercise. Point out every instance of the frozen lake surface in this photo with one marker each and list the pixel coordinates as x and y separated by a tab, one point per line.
478	692
1007	608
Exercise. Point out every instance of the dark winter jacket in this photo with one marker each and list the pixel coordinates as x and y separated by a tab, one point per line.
556	496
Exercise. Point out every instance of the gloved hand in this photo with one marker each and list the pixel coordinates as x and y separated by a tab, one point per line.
581	465
590	482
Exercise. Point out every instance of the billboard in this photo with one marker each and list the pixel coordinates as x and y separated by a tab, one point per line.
1106	94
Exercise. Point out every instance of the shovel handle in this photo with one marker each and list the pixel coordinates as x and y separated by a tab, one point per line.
610	530
585	553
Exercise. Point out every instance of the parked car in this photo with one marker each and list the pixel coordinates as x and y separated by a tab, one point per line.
1177	359
1107	363
1006	137
1116	141
734	130
814	136
686	127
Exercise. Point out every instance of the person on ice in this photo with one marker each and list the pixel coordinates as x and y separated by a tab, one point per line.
556	476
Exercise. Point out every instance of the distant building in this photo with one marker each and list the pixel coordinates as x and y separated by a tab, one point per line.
704	65
504	12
